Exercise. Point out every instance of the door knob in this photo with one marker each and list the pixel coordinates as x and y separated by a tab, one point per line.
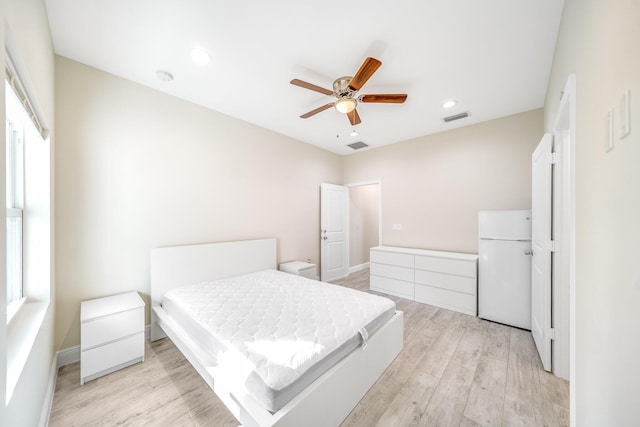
325	238
528	252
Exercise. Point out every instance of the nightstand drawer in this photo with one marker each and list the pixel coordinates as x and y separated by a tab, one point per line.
111	355
108	328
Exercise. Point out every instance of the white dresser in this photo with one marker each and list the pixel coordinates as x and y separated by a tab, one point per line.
443	279
111	334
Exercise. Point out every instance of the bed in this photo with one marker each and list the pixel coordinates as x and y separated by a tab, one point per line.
180	278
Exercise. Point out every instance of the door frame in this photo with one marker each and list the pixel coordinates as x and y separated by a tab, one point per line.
377	182
565	125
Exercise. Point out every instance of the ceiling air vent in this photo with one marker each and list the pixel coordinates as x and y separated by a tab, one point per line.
357	145
456	117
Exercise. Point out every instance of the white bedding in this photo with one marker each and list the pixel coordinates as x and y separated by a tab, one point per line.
274	332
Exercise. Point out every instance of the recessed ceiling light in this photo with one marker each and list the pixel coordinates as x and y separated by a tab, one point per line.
449	103
200	56
164	76
354	133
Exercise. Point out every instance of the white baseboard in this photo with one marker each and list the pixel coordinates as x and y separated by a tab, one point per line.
48	397
62	358
359	267
68	356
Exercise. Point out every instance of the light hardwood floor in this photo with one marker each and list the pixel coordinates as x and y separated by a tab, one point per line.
454	370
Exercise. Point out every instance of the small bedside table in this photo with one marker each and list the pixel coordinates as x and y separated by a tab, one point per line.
300	268
111	334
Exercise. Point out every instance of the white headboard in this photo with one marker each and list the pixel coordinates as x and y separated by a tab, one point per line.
182	265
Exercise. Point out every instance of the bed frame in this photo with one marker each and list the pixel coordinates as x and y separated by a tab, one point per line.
327	401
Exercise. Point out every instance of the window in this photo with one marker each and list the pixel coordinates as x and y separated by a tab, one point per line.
15	182
16	116
28	227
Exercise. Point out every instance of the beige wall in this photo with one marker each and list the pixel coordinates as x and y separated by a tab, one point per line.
364	205
435	185
24	28
137	169
598	41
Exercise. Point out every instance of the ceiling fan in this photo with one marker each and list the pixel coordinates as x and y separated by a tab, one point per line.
345	89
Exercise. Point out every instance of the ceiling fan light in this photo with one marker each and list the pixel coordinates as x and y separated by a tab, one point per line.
164	76
345	105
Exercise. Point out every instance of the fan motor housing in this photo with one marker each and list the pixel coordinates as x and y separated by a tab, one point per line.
341	87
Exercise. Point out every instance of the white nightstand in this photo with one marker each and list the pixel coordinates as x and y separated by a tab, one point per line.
112	334
300	268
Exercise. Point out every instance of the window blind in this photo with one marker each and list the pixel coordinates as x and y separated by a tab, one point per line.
18	88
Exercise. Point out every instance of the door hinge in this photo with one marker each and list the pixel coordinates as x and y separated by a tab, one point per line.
552	246
550	334
553	158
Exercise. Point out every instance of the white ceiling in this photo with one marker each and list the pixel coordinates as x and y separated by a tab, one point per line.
493	56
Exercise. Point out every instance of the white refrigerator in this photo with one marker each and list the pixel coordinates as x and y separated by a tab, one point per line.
504	267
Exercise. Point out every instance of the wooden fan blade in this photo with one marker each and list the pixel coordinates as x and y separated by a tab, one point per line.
316	111
354	117
311	86
394	98
368	67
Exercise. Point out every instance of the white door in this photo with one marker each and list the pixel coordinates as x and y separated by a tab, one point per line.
541	246
504	296
334	232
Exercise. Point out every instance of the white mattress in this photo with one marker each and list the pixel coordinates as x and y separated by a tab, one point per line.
275	333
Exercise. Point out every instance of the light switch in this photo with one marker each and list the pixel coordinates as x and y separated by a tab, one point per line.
624	127
396	227
608	128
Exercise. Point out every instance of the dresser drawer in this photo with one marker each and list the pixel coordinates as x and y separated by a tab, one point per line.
111	327
465	285
395	287
457	301
446	265
391	258
392	271
111	355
